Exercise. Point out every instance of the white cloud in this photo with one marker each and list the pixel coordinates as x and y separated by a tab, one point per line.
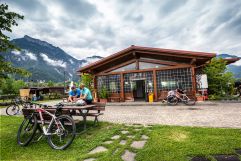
237	63
52	62
16	52
207	25
31	55
90	60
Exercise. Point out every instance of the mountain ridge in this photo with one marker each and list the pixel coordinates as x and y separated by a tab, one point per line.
45	61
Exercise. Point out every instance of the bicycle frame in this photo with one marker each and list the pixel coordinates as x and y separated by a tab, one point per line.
46	129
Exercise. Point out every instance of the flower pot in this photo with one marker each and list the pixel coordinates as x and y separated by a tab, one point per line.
200	98
103	100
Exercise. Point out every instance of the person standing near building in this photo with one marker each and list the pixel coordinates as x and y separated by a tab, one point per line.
85	94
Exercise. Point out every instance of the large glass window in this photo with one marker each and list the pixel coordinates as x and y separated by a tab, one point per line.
145	65
111	82
131	66
174	78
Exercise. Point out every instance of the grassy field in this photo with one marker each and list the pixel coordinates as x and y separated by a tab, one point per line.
167	143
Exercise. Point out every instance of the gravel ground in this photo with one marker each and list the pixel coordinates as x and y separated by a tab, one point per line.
226	115
207	114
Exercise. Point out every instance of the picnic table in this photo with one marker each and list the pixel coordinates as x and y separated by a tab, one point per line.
84	111
73	109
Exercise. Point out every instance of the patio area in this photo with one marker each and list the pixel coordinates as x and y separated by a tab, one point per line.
206	114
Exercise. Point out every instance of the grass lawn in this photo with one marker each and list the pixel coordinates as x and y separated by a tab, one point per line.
167	143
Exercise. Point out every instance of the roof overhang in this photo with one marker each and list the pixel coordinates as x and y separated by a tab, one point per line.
138	51
231	60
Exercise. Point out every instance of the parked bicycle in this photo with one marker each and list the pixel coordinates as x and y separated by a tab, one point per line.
60	130
16	105
178	95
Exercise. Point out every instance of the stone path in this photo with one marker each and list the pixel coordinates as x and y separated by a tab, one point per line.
108	142
98	150
138	144
90	159
127	154
115	137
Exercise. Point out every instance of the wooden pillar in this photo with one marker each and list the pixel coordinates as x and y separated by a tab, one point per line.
95	89
155	85
194	80
137	64
122	87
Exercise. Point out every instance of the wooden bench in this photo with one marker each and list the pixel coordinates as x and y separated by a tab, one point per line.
114	97
99	107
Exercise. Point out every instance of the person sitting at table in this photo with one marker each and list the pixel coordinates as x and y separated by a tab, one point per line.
85	94
74	94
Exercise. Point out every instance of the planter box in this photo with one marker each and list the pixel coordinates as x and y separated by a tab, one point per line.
200	98
103	100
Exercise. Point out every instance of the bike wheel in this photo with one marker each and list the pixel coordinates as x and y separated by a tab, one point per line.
172	100
27	130
62	132
12	110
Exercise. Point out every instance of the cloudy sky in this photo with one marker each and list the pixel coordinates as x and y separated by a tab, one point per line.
100	27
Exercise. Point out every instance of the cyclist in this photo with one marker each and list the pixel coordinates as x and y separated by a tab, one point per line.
74	94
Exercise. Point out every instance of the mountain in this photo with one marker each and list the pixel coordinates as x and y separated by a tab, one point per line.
45	61
235	67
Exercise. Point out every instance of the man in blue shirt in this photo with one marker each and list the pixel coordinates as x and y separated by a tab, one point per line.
85	94
74	93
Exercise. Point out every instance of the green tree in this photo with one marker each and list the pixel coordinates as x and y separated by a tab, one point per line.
220	82
50	83
7	21
87	80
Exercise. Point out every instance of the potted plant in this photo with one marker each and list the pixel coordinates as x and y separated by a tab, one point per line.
103	95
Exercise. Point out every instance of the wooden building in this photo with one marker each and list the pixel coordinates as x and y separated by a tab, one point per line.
132	73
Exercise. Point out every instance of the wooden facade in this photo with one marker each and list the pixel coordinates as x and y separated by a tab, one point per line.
136	71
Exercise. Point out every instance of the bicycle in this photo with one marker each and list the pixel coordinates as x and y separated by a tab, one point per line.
173	99
14	107
60	131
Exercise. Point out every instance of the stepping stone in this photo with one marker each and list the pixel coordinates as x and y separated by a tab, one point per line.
130	136
90	159
128	156
123	142
144	137
199	159
124	132
98	150
115	137
231	157
238	151
138	144
108	142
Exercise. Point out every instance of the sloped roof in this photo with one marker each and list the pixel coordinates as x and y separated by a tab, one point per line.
160	51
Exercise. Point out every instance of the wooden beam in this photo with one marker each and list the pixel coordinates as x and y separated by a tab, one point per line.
137	64
122	87
146	70
193	80
119	66
155	85
159	62
170	54
193	61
